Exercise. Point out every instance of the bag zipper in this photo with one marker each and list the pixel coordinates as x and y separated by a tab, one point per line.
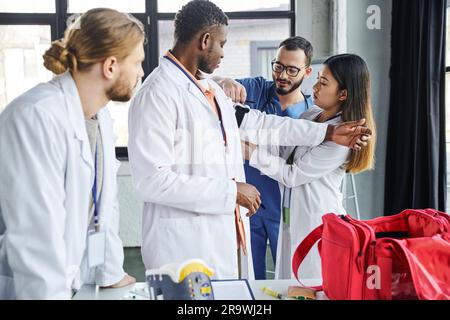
369	244
360	251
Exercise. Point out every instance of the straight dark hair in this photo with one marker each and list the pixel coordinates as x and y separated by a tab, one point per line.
352	74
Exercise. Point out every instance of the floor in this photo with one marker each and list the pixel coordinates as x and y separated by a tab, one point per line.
133	264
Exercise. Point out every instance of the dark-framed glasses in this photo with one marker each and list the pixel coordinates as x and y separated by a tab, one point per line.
290	70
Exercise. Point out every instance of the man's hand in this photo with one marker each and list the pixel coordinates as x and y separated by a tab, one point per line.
351	134
234	90
126	280
248	197
247	149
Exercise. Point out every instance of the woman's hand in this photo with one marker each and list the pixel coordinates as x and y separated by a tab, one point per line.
350	134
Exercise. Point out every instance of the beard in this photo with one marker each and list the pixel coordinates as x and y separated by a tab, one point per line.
120	91
294	86
204	65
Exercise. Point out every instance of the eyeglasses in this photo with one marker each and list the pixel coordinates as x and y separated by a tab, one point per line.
290	70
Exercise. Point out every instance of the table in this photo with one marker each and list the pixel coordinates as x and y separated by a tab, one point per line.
88	292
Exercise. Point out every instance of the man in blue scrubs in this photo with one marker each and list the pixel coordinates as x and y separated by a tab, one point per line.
282	97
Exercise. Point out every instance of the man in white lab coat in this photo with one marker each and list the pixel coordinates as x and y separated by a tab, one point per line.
185	152
59	215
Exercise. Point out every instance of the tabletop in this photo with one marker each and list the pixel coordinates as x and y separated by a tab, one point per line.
138	291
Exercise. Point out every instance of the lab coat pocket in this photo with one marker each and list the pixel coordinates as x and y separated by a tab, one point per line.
7	291
184	237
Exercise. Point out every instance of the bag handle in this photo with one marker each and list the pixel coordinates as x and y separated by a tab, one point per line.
303	249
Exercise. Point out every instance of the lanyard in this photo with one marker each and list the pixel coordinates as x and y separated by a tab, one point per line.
306	100
316	119
224	134
94	193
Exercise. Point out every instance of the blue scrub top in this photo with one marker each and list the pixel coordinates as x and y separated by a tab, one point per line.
263	93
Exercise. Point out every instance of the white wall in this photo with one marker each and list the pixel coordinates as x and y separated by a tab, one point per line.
374	46
314	22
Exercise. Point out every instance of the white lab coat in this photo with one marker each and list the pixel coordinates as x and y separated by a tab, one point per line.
315	179
46	177
183	172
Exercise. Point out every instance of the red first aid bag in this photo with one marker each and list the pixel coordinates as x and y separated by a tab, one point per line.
404	256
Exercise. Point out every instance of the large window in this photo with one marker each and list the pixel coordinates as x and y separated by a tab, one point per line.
243	34
231	5
77	6
27	28
21	49
27	6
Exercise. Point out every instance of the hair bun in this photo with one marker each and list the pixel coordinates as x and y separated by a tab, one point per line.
56	58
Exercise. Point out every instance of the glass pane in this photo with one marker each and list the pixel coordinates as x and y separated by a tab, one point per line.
21	63
133	6
242	36
230	5
264	58
119	113
28	6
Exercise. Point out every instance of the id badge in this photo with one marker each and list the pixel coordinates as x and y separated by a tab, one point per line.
286	207
96	248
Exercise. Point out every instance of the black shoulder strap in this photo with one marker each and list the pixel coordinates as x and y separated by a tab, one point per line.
240	113
290	160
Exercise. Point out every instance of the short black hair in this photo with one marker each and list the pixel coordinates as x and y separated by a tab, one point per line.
196	16
296	42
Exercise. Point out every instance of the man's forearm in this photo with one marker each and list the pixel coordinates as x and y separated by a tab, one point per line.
263	129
